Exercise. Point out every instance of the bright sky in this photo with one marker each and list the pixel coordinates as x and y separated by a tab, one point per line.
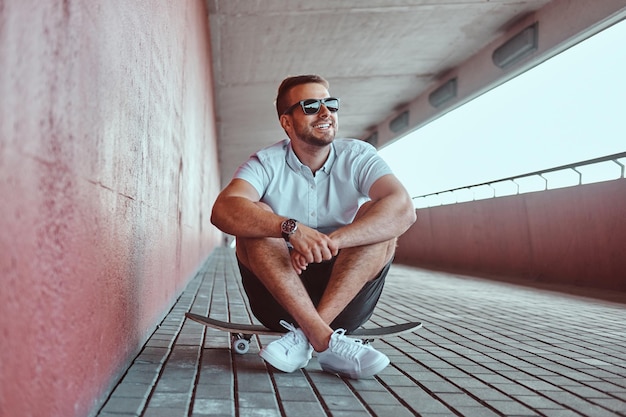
566	110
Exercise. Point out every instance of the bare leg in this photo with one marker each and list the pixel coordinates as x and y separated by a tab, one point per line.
353	268
281	280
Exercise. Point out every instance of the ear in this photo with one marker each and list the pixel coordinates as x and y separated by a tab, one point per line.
285	122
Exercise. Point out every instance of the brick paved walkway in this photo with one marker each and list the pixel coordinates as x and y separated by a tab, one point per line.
486	349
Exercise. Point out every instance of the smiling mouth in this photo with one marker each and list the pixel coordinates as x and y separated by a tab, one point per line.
322	126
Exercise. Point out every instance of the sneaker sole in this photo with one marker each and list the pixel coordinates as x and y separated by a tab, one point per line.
365	373
280	364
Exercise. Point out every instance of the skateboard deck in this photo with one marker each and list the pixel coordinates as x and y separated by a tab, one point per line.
242	333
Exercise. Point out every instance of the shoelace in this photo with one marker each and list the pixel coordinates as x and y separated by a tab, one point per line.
292	337
346	348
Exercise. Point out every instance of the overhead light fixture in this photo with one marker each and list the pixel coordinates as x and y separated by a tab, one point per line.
400	123
516	48
443	94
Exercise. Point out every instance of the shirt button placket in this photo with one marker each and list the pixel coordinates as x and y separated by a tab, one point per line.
313	205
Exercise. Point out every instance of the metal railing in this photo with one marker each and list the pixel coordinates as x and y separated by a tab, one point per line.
597	169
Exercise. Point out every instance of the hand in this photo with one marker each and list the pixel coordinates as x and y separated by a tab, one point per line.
311	246
298	261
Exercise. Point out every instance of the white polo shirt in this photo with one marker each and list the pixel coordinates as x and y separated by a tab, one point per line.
325	201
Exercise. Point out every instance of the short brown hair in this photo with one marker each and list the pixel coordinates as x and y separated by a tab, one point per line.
289	83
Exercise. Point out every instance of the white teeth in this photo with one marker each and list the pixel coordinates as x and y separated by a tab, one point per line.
323	126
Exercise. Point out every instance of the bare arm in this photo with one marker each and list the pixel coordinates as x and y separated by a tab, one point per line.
236	211
390	214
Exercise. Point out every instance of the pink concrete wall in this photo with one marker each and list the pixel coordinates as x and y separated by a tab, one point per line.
571	235
108	171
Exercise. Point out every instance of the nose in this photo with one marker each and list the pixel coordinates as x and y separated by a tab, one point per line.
324	111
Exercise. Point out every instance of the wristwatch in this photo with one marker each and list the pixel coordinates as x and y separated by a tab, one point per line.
288	228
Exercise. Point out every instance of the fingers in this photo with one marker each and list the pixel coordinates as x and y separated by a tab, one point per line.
319	254
298	261
311	246
314	246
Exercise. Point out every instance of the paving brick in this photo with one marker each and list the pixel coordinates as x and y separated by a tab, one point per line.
124	405
213	407
142	377
163	412
391	410
153	355
132	390
178	401
538	402
305	394
342	402
213	392
258	412
259	382
303	408
107	414
509	408
377	398
481	411
257	400
292	380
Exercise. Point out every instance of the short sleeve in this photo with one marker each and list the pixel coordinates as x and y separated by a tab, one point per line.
253	172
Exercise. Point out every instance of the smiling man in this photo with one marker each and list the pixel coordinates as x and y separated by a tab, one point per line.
316	221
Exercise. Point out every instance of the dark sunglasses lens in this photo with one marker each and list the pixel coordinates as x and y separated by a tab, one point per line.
332	104
310	106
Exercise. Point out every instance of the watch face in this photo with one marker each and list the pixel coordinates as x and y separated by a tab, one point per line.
289	226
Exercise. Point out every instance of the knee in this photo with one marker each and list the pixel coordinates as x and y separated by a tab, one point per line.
389	250
391	244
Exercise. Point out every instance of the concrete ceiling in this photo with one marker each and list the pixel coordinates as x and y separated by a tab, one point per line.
379	56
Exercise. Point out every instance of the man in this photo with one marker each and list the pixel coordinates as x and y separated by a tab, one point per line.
316	221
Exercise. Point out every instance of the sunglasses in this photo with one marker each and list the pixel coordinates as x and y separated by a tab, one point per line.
313	106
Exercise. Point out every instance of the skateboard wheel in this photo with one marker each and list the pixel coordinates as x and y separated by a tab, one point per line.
241	346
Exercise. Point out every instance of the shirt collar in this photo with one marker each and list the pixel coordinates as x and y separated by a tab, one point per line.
295	164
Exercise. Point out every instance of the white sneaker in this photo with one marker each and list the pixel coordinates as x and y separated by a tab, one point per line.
292	351
351	357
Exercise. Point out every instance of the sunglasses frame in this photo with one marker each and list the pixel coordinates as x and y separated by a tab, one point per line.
309	101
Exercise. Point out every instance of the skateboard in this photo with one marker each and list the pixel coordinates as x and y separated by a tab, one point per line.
242	333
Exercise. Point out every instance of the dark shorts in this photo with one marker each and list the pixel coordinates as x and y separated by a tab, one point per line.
315	278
